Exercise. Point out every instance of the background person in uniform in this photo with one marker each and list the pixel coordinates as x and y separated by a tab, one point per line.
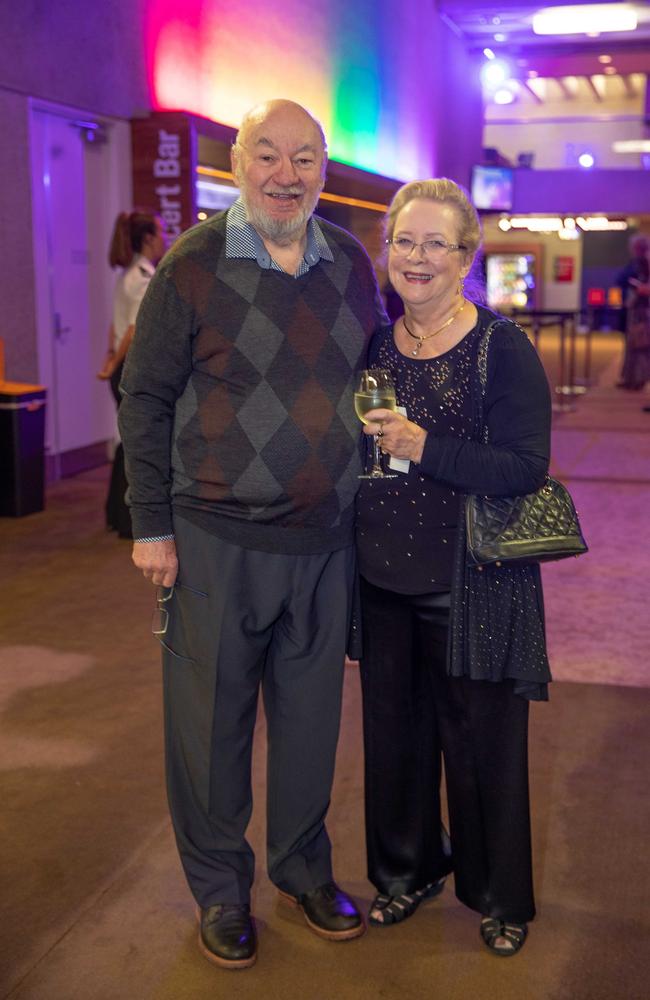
451	655
242	454
137	244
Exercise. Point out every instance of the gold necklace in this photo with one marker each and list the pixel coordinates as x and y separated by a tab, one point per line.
421	340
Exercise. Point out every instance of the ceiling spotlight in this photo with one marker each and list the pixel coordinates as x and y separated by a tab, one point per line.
586	160
503	96
610	70
489	54
500	37
494	72
604	59
585	19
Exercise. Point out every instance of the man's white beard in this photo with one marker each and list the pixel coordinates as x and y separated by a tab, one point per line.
280	231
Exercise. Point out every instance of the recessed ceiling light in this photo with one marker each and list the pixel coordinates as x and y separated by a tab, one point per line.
494	73
585	19
604	59
610	70
500	37
631	146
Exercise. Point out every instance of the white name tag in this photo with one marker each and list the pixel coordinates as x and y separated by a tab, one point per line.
399	464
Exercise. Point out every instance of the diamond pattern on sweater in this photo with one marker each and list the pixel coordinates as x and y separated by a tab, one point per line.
261	415
244	281
306	333
256	488
339	273
259	340
286	452
312	412
344	321
215	412
309	489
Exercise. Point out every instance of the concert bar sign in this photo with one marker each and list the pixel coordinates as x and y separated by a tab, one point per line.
164	168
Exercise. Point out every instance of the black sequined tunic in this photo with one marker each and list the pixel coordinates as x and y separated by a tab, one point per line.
496	627
406	527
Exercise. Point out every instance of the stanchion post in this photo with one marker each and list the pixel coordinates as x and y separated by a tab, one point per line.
561	388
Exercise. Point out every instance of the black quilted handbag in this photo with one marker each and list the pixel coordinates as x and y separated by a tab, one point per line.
538	527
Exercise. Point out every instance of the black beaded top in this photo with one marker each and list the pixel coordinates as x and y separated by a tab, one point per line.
406	527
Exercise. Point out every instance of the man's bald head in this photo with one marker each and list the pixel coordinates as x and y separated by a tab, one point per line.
280	107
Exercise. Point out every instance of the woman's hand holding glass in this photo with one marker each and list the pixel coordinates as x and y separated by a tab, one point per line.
399	437
375	390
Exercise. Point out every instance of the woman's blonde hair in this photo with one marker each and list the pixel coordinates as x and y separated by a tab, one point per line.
446	192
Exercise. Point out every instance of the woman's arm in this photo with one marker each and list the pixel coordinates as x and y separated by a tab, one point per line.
106	370
123	347
518	416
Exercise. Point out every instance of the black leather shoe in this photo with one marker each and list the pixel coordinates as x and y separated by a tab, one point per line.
329	912
227	935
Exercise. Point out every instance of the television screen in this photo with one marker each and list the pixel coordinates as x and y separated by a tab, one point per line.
492	188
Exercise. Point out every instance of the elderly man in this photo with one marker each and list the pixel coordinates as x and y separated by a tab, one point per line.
242	457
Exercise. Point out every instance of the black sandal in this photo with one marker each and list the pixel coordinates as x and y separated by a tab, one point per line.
394	909
515	934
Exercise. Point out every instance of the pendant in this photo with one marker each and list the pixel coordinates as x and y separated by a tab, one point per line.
416	349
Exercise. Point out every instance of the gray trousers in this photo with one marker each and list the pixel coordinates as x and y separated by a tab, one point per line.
240	620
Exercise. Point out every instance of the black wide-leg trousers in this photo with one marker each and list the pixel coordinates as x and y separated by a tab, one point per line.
413	712
241	620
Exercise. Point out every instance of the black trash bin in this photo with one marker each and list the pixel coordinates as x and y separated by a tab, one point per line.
22	449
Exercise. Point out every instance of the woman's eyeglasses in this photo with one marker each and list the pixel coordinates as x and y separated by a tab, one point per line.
431	249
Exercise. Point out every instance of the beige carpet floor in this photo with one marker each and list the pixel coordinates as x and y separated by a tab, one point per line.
92	902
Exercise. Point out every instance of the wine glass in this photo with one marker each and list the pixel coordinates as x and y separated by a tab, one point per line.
375	390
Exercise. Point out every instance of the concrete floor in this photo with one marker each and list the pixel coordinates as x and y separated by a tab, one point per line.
93	904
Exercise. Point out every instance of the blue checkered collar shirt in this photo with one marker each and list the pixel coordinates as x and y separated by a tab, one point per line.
243	240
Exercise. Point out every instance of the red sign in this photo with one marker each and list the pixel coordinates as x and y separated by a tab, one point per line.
595	296
563	269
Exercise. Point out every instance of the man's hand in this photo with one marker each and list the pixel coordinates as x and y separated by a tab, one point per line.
157	560
399	437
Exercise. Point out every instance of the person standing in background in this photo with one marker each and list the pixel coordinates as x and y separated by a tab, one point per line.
137	244
633	281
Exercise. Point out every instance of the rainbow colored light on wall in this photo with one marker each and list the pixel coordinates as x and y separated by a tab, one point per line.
363	68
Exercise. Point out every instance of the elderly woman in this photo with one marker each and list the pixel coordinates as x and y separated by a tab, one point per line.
451	655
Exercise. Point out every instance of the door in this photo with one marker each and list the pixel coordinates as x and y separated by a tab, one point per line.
80	181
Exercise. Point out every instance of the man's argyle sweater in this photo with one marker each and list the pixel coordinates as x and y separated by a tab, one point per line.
237	411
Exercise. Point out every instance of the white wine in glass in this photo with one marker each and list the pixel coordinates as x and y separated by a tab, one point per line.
365	401
375	391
